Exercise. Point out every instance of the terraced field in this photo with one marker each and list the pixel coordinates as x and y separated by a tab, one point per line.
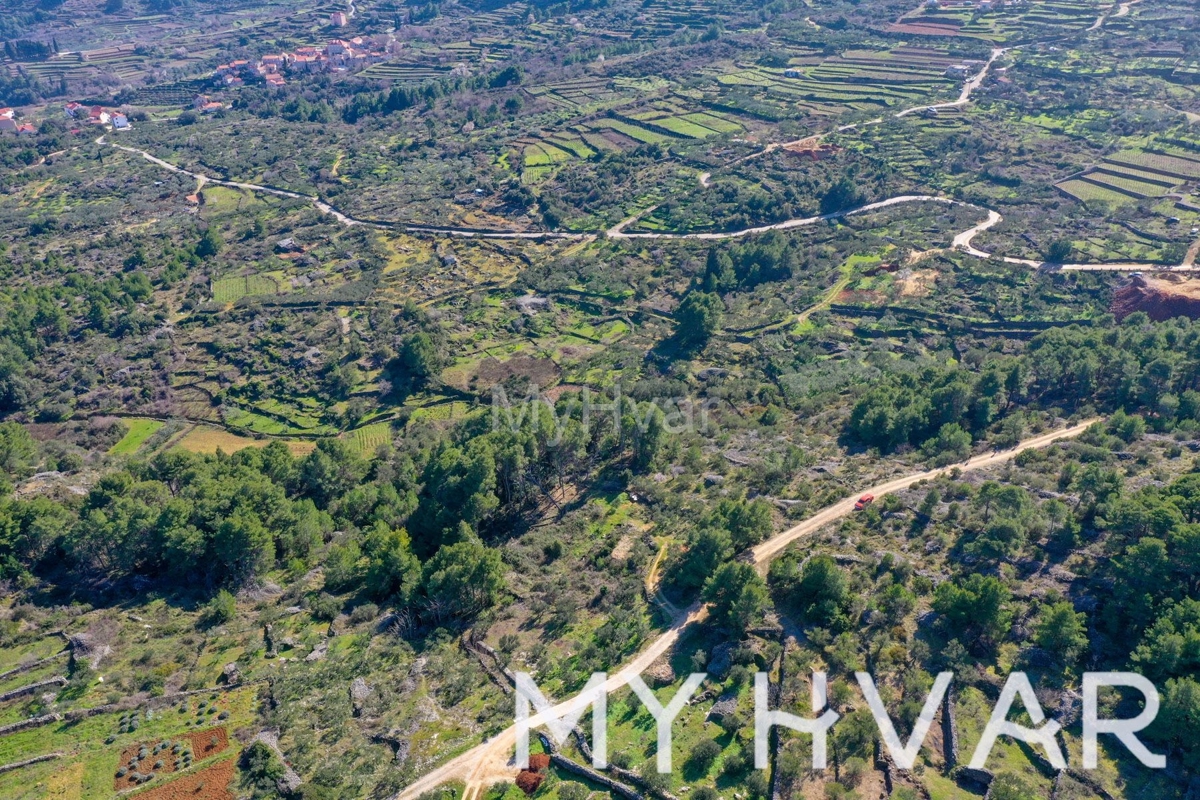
139	431
857	80
230	290
404	73
1126	184
369	438
1002	24
1087	191
1175	165
205	439
660	122
1133	175
584	94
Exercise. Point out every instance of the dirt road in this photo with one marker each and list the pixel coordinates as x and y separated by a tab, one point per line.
619	233
969	87
763	553
489	762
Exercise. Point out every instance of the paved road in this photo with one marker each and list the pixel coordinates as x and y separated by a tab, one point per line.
489	762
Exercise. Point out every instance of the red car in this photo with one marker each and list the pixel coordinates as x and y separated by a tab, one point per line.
864	501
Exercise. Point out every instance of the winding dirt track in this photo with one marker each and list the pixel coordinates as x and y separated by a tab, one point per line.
491	761
962	241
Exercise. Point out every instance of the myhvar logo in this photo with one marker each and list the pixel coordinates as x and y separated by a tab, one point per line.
562	719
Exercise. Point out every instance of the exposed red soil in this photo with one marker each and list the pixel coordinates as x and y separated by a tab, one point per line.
813	149
1162	298
207	784
528	782
866	298
202	745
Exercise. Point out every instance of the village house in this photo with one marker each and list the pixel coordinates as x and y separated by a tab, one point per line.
270	64
26	129
204	104
307	63
73	109
964	70
8	124
98	116
120	122
339	19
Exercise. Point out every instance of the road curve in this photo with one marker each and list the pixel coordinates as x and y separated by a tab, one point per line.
969	87
341	217
763	553
490	761
962	241
618	232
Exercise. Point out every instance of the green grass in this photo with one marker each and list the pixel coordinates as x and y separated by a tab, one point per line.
1139	188
636	132
544	154
139	431
684	127
367	439
84	741
1084	191
1164	164
230	290
718	124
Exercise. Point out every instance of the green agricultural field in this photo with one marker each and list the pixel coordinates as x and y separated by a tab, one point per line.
252	449
92	747
1179	166
1126	184
683	127
713	122
230	290
635	132
544	154
575	146
369	438
1085	191
139	431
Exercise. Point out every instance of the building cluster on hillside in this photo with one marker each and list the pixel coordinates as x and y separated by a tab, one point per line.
964	70
97	115
339	55
9	125
982	6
